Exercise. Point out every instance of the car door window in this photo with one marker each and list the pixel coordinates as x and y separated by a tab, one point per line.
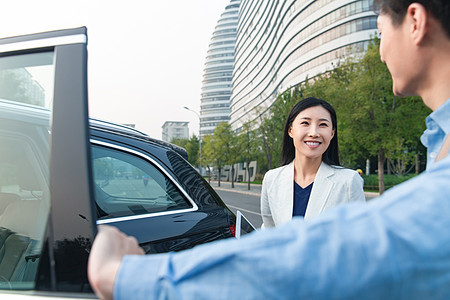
128	185
24	167
46	221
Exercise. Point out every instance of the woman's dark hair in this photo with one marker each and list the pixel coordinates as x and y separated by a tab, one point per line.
396	10
331	155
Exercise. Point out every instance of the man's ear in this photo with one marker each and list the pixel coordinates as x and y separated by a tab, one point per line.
417	21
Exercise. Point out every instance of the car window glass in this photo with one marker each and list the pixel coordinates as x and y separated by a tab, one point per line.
24	167
127	185
27	78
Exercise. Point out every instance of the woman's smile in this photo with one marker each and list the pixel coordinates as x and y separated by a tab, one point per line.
313	144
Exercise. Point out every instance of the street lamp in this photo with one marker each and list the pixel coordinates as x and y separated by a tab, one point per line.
199	136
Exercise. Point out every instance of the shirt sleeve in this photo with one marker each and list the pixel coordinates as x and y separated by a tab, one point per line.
395	247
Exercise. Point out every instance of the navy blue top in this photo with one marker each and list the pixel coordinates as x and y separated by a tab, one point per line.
301	198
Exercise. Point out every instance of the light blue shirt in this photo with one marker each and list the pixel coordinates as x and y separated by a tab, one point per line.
395	247
438	127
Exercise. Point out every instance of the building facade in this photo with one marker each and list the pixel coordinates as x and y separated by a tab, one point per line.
216	84
175	130
279	44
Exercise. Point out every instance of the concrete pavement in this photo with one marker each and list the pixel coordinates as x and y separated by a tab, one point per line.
239	187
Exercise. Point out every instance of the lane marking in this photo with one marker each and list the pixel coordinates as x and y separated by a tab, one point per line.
242	209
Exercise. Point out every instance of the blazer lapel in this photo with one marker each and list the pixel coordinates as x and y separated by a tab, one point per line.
284	193
320	192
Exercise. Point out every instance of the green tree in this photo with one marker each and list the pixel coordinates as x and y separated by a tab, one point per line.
180	142
372	120
270	129
208	153
267	136
225	148
192	147
248	142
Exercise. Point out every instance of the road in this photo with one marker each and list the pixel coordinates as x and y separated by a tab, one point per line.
248	204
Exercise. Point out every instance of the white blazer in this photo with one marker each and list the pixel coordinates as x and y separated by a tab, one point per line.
332	185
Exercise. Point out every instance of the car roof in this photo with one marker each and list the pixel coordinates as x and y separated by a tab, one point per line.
134	133
38	112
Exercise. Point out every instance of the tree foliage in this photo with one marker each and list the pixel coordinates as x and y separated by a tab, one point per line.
208	153
248	146
225	147
374	122
271	126
192	146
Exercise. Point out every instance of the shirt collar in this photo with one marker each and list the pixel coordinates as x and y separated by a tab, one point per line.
438	125
441	117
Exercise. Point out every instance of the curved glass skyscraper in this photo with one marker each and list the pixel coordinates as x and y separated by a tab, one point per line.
216	84
281	43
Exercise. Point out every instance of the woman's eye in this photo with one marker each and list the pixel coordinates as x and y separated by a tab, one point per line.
304	123
324	125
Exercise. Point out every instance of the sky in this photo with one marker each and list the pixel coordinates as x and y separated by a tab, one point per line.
145	58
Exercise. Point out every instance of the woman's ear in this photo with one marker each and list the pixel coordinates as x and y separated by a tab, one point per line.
290	131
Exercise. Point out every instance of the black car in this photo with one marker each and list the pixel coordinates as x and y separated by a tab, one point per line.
147	189
61	174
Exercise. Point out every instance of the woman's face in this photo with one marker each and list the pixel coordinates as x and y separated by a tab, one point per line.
311	132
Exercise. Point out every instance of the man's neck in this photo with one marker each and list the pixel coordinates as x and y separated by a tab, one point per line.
439	90
436	82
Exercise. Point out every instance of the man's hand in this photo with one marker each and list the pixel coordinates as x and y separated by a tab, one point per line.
108	249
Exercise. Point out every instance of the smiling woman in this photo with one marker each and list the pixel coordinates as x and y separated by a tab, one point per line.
310	179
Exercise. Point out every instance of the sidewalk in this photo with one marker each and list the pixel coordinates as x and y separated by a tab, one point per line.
255	189
239	187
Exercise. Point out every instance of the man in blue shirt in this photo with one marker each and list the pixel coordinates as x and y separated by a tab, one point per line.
396	247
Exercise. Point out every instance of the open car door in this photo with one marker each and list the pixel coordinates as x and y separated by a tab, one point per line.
46	220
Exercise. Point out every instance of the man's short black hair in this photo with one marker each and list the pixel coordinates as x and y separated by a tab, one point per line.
396	9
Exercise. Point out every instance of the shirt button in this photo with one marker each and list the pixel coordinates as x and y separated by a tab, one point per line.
432	154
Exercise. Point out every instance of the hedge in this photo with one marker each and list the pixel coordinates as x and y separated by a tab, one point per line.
371	181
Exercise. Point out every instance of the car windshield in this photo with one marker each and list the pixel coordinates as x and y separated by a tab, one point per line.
24	168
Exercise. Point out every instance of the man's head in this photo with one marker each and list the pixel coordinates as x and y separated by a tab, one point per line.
396	9
415	43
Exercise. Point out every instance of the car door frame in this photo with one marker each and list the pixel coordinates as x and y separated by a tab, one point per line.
70	163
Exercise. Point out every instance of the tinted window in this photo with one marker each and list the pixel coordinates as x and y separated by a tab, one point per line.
24	168
127	185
